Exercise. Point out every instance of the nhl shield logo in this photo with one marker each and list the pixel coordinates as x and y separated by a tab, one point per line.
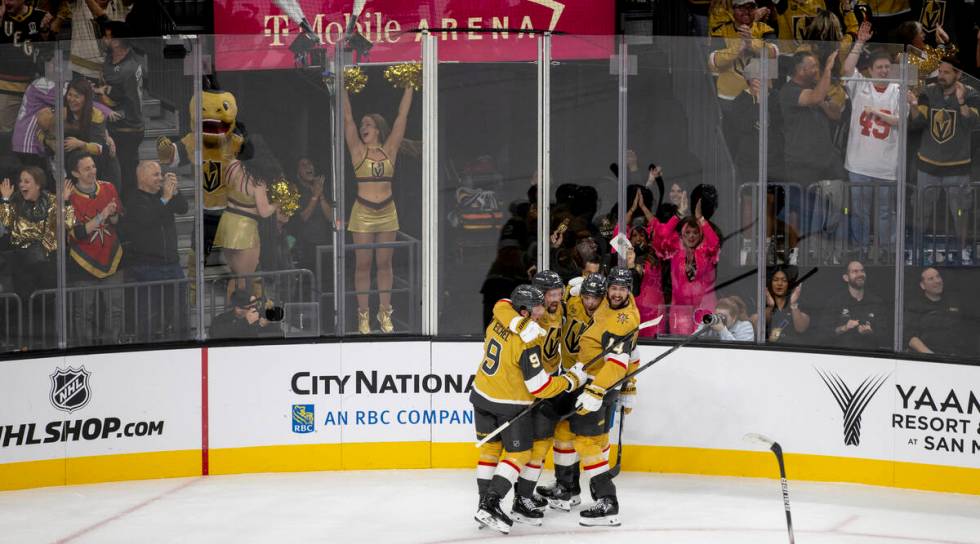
70	389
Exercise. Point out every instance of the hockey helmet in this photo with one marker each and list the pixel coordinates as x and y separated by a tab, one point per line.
621	276
546	280
526	297
594	285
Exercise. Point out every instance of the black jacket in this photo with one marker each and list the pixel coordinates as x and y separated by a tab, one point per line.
149	231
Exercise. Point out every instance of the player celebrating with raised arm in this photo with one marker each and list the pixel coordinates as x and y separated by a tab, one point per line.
509	378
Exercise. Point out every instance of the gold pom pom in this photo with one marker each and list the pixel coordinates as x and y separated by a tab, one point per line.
405	75
285	194
354	79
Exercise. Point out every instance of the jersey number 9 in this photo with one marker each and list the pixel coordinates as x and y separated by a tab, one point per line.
492	361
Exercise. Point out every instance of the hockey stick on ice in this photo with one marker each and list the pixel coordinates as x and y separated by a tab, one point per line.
651	323
761	440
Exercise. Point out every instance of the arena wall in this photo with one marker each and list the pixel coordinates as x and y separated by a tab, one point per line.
359	405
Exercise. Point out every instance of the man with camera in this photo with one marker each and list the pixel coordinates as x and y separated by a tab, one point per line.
857	318
249	317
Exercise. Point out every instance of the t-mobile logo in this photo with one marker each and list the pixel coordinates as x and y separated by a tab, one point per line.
852	403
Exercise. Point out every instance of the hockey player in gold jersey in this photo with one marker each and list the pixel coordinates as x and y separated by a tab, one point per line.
510	377
587	431
527	507
583	298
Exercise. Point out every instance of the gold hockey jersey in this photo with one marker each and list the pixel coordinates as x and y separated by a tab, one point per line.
577	320
512	374
887	8
607	326
504	312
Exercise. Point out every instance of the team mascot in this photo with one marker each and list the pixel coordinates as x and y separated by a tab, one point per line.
224	140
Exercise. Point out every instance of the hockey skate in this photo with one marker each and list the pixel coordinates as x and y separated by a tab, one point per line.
525	512
561	498
490	514
539	502
604	513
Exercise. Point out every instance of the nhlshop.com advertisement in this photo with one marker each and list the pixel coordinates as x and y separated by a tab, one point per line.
99	405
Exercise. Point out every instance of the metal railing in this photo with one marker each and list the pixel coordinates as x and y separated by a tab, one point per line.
113	313
945	223
12	328
828	223
408	287
280	287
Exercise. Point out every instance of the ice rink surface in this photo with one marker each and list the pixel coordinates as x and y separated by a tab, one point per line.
437	506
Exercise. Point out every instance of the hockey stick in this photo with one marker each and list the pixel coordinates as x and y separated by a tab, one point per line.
707	320
651	323
614	471
778	451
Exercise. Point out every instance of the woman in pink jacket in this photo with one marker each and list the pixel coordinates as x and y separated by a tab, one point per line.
693	253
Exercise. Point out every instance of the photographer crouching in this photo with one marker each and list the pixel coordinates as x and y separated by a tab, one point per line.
249	317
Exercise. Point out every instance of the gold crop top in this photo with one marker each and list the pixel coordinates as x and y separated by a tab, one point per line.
236	189
373	170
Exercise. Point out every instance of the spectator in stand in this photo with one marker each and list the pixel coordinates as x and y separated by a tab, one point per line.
84	129
88	21
744	36
647	277
872	146
935	325
30	215
785	320
28	140
857	318
948	109
811	156
570	258
692	247
727	327
314	224
150	233
21	26
741	312
243	320
95	253
123	92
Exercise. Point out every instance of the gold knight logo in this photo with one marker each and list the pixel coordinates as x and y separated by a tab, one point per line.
933	14
942	124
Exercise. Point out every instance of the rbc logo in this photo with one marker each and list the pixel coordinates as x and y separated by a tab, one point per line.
303	419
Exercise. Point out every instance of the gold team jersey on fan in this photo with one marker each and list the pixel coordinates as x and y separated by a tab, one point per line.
504	312
729	62
794	21
607	325
512	374
887	8
577	320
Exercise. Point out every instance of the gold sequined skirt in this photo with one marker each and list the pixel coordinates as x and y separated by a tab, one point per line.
237	230
368	218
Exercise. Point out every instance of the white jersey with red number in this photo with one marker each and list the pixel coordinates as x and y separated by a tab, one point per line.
872	146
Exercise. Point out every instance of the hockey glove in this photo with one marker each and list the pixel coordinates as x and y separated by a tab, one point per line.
627	397
590	400
530	332
575	286
576	376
